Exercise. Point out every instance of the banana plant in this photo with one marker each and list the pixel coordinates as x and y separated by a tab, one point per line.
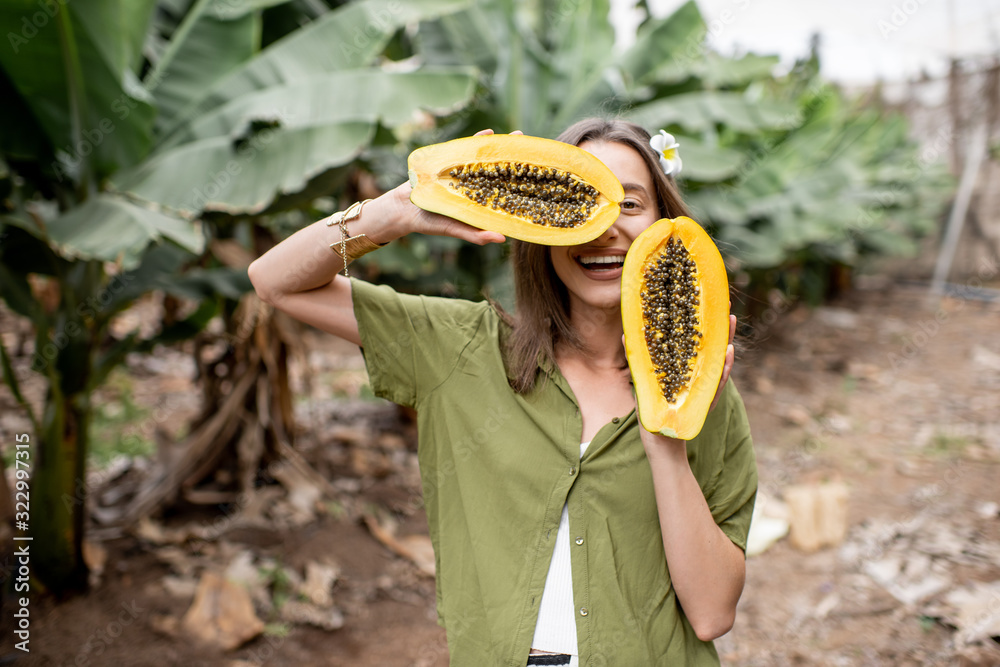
79	114
832	185
551	62
137	135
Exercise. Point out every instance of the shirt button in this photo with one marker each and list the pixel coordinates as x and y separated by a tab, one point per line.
572	471
583	611
615	420
579	540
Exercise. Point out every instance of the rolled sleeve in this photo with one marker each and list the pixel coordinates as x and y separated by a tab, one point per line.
731	487
411	343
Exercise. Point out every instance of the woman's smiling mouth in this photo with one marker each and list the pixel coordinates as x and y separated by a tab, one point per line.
601	262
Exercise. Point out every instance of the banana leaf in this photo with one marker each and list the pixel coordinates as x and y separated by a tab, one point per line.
110	228
77	77
289	135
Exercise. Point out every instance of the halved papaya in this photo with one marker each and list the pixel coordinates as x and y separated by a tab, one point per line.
528	188
675	313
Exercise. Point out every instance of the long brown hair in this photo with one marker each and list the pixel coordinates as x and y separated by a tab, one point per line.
542	316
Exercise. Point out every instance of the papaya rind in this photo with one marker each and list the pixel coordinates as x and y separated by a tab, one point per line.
685	417
431	193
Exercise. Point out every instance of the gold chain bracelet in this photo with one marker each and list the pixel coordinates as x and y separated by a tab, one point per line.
350	247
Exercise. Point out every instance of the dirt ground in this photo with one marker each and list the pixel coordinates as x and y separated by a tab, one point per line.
897	399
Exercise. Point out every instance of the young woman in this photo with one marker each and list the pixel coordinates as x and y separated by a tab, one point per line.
564	533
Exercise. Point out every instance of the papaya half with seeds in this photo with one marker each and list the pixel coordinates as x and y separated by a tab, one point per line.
675	313
527	188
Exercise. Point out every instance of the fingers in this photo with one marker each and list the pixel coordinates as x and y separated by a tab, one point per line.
488	131
468	233
732	328
726	369
425	222
415	219
484	237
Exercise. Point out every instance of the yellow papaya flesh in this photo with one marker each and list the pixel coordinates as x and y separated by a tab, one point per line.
527	188
675	314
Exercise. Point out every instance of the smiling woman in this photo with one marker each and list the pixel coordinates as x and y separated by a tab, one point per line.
564	532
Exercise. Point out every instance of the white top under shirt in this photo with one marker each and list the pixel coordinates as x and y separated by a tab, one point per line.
555	630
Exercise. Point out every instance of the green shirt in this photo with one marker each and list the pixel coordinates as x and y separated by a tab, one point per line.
497	468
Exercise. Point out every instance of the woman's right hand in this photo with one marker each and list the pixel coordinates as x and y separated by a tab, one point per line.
407	218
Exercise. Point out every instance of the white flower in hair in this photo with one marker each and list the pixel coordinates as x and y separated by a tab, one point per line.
665	145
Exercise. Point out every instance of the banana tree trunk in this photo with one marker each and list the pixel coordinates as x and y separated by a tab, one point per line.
58	492
58	486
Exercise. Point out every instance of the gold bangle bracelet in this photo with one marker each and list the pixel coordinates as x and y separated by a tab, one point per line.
354	247
350	247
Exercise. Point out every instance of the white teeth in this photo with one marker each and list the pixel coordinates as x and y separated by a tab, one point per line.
604	259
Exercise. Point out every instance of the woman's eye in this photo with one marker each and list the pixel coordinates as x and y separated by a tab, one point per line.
629	205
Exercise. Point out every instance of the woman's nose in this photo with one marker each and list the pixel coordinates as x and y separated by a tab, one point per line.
610	234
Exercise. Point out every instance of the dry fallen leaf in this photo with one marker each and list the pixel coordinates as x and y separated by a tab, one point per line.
319	581
303	494
370	463
976	612
165	624
96	557
984	358
179	560
222	613
420	550
415	548
391	441
797	414
295	611
149	530
180	587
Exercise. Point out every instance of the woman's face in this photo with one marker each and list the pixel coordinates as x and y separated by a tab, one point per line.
592	271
